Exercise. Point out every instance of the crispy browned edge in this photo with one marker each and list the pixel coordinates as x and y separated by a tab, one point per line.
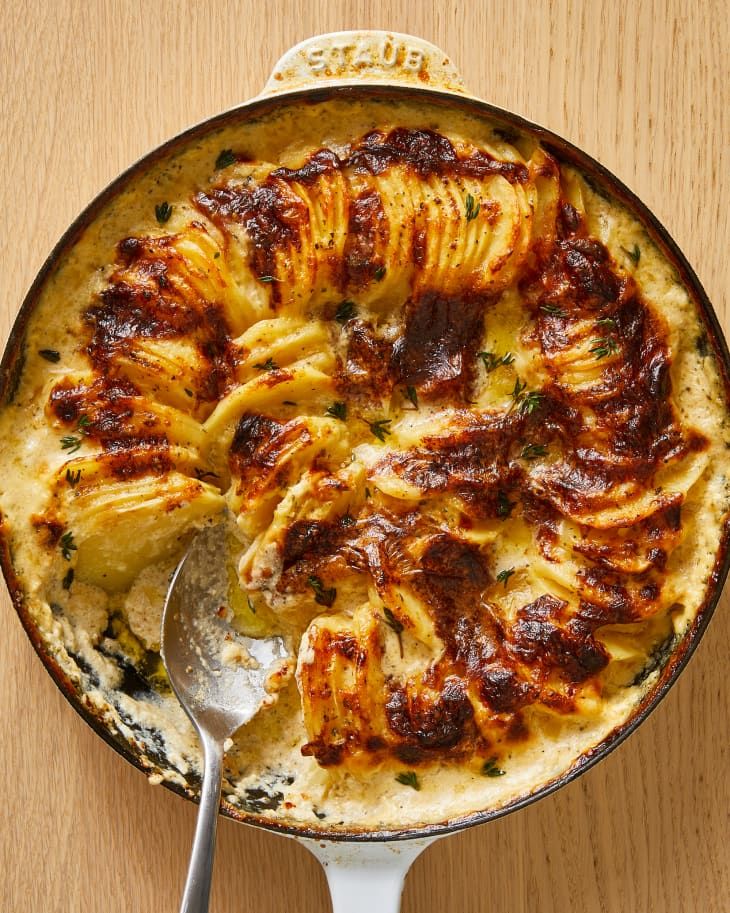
566	153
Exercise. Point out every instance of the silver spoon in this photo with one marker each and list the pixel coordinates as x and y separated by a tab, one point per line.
219	678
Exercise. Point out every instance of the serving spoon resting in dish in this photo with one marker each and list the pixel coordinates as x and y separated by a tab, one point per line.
219	677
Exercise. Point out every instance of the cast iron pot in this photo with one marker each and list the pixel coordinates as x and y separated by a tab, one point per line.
365	869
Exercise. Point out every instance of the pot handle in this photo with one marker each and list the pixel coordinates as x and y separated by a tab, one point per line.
367	877
364	57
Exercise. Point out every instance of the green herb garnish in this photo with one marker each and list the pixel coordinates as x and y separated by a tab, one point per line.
530	402
492	361
71	443
322	595
603	346
518	390
67	545
553	310
346	310
268	365
490	769
83	424
379	273
532	451
504	505
503	576
412	396
408	778
607	322
73	478
472	207
268	279
225	158
396	625
68	579
163	211
188	391
337	410
50	355
379	429
250	604
633	255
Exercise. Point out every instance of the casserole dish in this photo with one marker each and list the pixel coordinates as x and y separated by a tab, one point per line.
420	66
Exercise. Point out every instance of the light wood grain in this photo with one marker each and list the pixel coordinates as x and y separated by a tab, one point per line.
86	88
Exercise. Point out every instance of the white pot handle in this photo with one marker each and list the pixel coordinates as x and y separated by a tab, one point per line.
362	57
366	877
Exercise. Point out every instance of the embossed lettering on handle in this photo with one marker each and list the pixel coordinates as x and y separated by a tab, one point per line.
364	57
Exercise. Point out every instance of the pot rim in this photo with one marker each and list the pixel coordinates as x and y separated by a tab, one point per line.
566	152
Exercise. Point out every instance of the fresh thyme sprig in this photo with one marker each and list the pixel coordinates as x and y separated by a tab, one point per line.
268	365
472	208
503	576
604	346
409	778
337	410
67	545
532	451
490	769
412	396
346	310
225	158
492	361
322	595
379	428
163	211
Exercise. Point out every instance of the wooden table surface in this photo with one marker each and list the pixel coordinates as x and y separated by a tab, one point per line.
86	89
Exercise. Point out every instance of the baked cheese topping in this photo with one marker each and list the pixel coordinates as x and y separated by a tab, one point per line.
457	430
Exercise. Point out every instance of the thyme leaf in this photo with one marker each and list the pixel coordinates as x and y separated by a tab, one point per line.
379	428
268	365
412	396
603	346
472	208
530	402
50	355
634	254
73	478
268	279
71	443
337	410
346	310
163	211
409	778
490	769
379	274
553	310
67	545
492	361
532	451
503	576
225	158
68	579
322	595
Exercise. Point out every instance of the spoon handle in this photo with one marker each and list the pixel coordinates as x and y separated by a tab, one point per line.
200	869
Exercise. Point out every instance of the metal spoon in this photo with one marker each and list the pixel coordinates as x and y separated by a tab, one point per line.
219	696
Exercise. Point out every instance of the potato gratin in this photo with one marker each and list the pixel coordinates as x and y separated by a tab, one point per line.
464	417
